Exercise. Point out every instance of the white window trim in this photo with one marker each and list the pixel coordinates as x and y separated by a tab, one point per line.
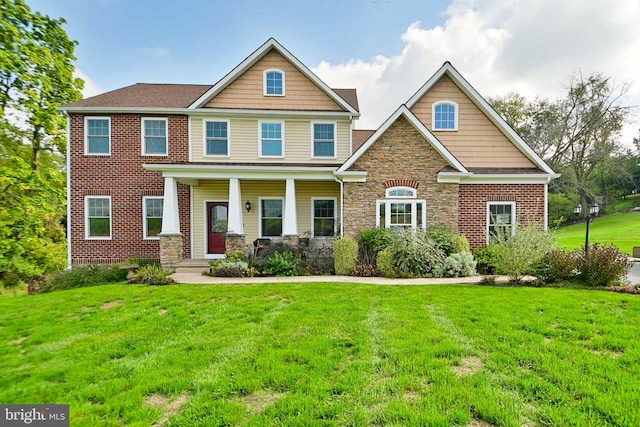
513	217
260	199
400	187
456	115
204	138
335	216
260	123
144	216
264	82
142	136
335	139
414	217
86	218
86	135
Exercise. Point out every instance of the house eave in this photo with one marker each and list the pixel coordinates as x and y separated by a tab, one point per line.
186	172
473	178
227	112
351	176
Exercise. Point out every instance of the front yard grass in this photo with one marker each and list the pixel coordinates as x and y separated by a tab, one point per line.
325	354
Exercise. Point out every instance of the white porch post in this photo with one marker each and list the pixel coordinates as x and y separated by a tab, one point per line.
235	221
290	226
170	212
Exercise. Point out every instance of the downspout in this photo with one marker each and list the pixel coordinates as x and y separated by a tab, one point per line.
546	205
341	205
68	166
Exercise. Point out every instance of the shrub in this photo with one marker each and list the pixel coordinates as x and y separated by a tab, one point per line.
518	255
151	274
459	264
414	253
82	277
384	264
443	237
232	269
604	266
557	266
364	270
345	253
261	257
282	264
372	241
460	244
486	259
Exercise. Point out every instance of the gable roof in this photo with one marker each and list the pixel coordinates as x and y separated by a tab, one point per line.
360	136
485	107
255	57
420	127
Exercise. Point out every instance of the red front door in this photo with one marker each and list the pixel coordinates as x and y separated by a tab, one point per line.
216	226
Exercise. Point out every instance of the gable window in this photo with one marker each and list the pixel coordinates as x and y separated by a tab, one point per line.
324	140
154	136
97	217
500	219
274	82
324	217
217	138
271	213
271	139
401	209
152	207
97	135
445	115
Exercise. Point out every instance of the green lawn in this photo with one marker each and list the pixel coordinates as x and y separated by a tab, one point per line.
621	229
325	354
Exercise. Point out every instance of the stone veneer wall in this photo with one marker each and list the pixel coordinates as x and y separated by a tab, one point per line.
402	153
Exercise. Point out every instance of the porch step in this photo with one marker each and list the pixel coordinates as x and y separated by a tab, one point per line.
193	266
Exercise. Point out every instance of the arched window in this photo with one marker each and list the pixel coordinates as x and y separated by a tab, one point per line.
445	115
401	192
274	82
401	209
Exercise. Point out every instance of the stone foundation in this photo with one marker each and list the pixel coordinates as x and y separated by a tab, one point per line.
170	250
235	243
291	239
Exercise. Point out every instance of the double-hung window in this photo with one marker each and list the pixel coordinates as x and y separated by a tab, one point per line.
217	138
274	83
271	214
152	212
324	140
271	139
500	219
324	217
445	115
154	136
401	209
97	217
97	135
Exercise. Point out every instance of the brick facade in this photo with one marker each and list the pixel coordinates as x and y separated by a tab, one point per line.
401	154
121	176
473	199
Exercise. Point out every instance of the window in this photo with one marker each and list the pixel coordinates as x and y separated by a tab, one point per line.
445	115
401	192
98	135
98	217
501	217
217	138
154	137
152	207
401	209
274	82
324	217
324	140
271	139
271	217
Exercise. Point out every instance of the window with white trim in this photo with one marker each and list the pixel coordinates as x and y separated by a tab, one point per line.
271	215
445	115
217	138
324	140
401	192
97	135
401	209
152	213
271	139
274	82
324	217
97	217
154	136
500	219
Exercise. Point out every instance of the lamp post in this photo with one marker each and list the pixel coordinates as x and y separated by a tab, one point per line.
594	209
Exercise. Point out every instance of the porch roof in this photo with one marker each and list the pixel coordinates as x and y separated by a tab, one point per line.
192	172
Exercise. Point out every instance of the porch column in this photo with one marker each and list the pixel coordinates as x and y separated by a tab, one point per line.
234	218
290	226
170	236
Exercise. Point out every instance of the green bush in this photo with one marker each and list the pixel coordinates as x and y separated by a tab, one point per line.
604	266
151	274
282	264
229	264
232	269
260	258
443	237
416	254
364	270
518	255
460	264
460	244
87	276
372	241
557	266
560	209
384	264
345	253
486	259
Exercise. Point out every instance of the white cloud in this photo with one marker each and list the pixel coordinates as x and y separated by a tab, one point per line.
528	46
90	87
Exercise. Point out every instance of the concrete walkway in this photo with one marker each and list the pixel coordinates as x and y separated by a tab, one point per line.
634	273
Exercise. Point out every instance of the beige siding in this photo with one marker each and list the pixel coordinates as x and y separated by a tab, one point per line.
253	190
244	141
477	142
247	91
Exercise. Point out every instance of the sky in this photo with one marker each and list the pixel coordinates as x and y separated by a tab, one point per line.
386	49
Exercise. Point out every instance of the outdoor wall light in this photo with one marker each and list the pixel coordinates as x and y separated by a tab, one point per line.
248	206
